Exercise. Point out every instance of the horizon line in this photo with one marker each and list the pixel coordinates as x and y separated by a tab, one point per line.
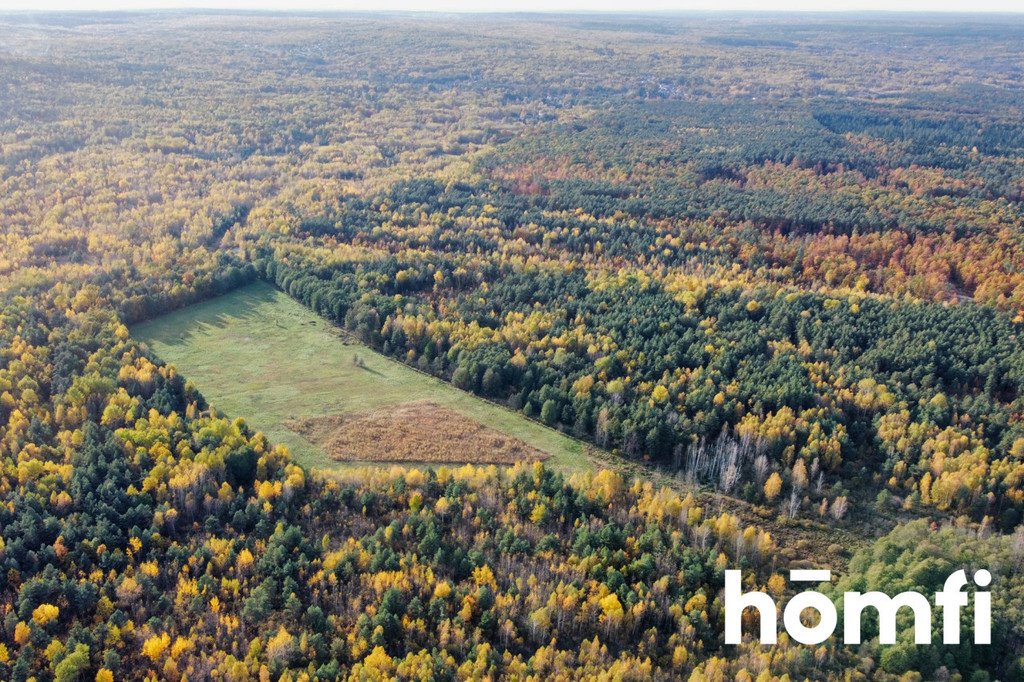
514	12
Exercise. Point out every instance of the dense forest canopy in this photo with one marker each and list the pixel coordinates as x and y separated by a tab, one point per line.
771	266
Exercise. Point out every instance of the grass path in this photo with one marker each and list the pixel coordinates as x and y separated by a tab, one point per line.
256	353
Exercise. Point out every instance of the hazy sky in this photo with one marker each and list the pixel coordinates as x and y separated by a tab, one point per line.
533	5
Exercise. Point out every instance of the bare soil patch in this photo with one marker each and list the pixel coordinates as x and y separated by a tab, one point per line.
418	431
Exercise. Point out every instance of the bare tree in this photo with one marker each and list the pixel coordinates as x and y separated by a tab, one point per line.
793	505
729	477
761	466
840	505
703	533
696	461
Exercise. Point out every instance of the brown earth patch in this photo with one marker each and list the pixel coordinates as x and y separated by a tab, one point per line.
418	431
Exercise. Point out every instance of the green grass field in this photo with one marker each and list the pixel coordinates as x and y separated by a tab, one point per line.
259	355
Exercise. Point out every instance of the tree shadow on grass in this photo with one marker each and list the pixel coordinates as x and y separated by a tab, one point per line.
370	370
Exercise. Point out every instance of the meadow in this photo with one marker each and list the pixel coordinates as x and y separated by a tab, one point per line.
259	354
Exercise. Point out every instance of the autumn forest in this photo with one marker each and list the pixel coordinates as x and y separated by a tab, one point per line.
606	305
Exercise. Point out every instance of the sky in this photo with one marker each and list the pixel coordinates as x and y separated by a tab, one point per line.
530	5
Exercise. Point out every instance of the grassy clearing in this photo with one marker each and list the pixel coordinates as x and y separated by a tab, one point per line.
258	354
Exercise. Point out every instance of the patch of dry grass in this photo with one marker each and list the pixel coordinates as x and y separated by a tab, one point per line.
416	431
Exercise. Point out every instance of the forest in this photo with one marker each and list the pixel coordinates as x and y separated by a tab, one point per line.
769	270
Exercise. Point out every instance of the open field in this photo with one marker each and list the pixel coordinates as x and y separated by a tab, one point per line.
258	354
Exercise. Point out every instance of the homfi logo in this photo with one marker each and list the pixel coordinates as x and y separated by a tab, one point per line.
951	599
